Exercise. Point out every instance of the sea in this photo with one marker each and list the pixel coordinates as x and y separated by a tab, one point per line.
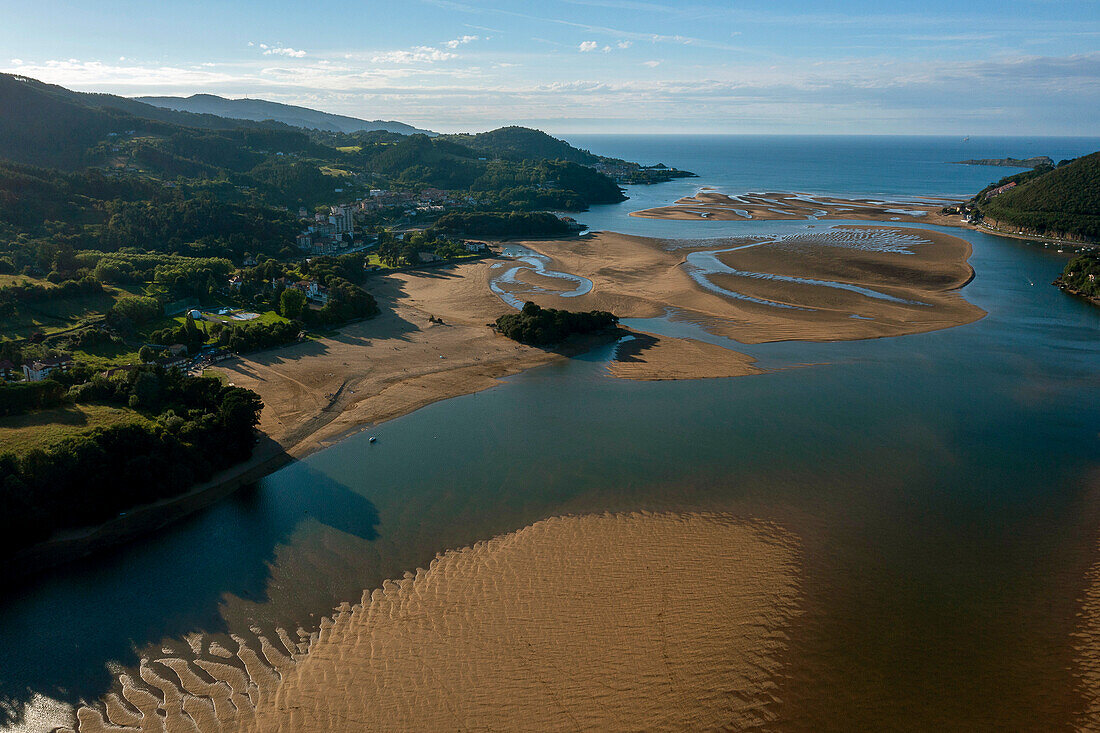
945	486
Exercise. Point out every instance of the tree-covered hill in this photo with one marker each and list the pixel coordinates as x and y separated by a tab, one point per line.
44	124
523	143
1062	201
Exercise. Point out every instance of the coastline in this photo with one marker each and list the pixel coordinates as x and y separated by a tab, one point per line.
340	418
432	342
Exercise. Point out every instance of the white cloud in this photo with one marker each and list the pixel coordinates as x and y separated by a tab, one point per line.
17	62
460	41
418	54
587	46
1024	94
624	44
280	51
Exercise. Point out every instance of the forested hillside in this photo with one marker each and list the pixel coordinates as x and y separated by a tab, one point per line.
1062	201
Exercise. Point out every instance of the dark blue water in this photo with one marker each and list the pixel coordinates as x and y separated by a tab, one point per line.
944	485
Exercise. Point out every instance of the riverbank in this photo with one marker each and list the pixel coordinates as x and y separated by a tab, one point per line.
267	457
433	341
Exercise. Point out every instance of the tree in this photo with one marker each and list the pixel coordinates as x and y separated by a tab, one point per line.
291	303
147	354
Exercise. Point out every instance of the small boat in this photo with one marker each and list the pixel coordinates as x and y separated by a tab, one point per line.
371	439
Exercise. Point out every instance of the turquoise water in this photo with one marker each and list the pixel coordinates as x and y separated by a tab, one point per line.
944	484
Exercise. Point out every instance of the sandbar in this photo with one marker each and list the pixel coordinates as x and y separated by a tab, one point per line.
842	283
651	358
711	205
605	622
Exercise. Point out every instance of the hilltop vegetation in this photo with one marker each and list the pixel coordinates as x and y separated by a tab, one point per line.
1082	276
1062	201
522	143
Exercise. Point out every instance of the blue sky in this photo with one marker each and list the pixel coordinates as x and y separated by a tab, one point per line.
568	66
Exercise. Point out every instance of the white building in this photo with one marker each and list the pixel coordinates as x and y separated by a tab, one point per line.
39	369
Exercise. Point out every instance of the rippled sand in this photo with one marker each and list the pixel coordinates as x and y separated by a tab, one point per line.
605	622
714	206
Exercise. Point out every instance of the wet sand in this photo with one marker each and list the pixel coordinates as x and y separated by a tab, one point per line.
650	358
876	268
601	622
316	392
794	206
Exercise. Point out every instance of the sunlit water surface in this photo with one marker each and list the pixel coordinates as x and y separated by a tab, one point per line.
943	484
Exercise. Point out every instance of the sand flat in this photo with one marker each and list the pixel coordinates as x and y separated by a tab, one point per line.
641	277
318	391
773	206
656	358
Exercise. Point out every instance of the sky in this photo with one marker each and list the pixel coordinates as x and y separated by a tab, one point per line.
1028	67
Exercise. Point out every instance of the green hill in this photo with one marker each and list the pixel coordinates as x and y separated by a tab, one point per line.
1062	202
523	143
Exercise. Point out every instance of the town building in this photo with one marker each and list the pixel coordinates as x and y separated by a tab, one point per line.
38	369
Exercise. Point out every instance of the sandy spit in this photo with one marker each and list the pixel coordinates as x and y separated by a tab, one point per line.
649	358
601	622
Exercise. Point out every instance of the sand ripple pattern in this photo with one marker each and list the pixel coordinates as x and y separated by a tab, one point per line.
601	622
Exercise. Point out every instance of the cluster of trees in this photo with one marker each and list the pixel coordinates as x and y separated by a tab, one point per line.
13	296
502	224
193	428
1082	275
255	336
541	326
406	251
20	397
187	333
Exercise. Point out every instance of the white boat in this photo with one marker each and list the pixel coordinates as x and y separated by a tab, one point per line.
371	439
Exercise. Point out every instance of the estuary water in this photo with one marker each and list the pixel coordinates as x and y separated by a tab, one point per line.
945	486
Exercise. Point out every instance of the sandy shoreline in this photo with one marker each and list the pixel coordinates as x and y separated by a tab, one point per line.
599	622
319	392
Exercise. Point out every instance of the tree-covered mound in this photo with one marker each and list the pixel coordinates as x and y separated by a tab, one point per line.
541	326
1063	201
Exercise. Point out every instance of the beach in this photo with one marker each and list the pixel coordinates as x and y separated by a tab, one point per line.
320	390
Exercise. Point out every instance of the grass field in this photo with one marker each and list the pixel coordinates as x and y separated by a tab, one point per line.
6	280
21	433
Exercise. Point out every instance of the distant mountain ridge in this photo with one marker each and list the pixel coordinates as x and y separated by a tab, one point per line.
261	110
